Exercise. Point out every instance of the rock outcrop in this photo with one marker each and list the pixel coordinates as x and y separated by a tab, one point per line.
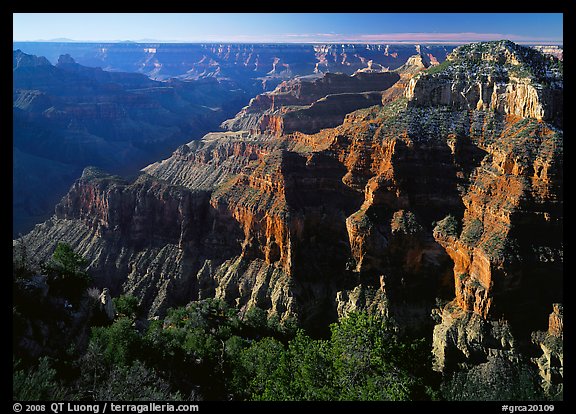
310	103
509	239
106	304
500	76
551	363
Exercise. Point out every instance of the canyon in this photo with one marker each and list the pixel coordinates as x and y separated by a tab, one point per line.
242	62
121	106
68	116
430	193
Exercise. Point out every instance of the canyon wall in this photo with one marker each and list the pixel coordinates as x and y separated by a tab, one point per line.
68	116
245	62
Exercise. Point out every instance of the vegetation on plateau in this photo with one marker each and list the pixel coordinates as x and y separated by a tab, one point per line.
205	350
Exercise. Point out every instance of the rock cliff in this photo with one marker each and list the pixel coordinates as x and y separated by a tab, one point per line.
308	104
68	116
311	103
500	76
442	214
256	64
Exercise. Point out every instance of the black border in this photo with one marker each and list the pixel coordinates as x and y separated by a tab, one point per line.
567	7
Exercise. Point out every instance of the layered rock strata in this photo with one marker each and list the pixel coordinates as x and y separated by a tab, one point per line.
311	103
241	62
444	217
500	77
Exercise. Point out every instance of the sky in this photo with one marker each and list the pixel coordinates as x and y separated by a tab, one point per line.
542	28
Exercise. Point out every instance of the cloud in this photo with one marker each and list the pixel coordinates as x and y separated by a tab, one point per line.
463	37
453	37
408	37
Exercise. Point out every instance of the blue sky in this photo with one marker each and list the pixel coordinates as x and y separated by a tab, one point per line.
291	27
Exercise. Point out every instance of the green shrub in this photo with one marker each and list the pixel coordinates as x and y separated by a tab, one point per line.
438	68
36	383
363	360
495	245
136	382
204	348
368	360
21	264
120	341
66	272
255	373
127	305
472	232
256	318
447	227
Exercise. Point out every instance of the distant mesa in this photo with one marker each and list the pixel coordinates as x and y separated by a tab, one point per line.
66	59
239	62
62	39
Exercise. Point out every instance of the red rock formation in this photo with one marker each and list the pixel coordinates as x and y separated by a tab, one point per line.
308	104
556	321
141	211
256	199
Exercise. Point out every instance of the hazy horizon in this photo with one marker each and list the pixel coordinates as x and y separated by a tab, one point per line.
304	28
154	41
